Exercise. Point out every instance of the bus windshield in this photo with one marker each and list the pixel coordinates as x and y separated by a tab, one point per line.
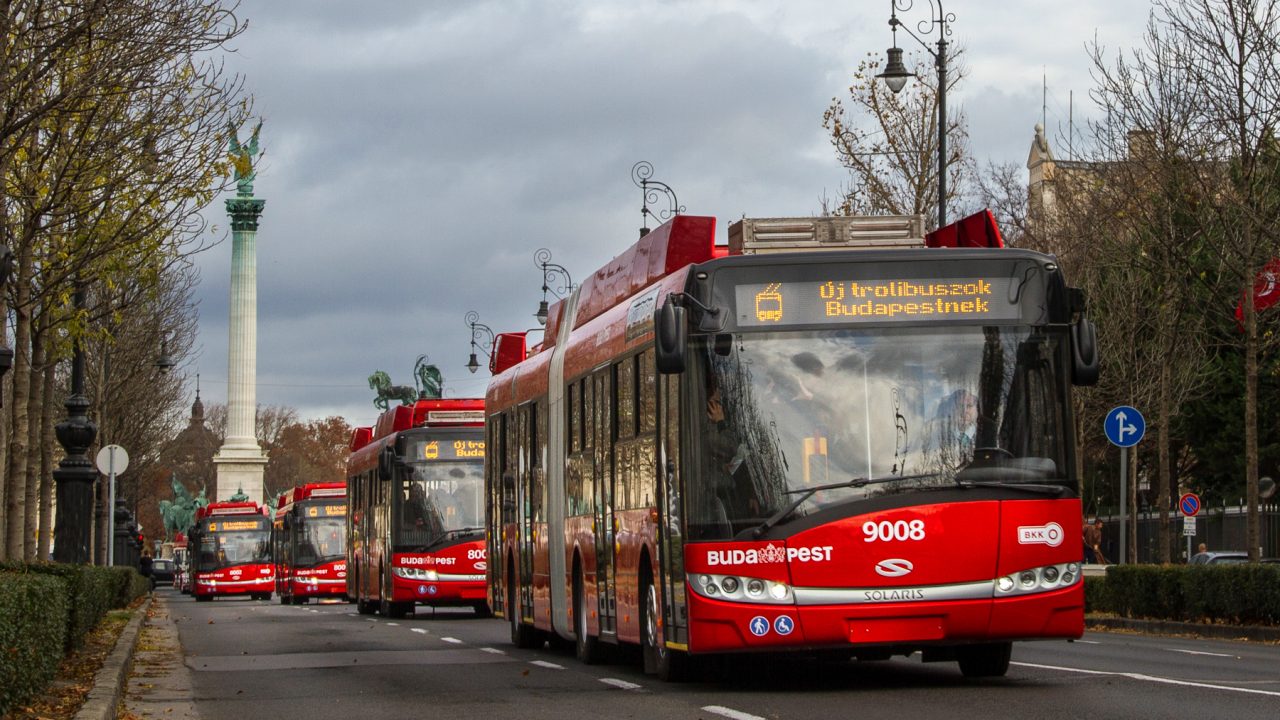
321	540
440	500
228	549
889	410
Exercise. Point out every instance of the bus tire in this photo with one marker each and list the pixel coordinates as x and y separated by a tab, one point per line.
482	609
586	647
364	607
284	600
669	665
989	660
203	598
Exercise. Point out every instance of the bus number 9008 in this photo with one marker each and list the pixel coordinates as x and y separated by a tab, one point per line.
886	531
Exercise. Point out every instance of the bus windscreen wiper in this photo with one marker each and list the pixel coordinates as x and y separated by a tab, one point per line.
1036	488
454	533
806	493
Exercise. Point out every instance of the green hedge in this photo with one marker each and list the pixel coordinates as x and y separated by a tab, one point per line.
1242	594
49	608
33	632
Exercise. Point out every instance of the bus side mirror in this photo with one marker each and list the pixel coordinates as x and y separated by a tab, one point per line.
1084	353
671	338
386	461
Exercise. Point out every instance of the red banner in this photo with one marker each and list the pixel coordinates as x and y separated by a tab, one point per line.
1266	290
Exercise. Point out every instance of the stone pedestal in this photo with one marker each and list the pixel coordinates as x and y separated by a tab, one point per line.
240	461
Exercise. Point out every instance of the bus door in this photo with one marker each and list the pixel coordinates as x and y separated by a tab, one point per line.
524	491
670	521
602	440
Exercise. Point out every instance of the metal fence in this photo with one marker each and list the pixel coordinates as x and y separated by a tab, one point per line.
1219	528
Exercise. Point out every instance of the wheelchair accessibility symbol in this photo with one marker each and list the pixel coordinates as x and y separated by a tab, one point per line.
759	626
783	625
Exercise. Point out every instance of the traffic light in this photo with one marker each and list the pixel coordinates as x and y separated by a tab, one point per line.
139	541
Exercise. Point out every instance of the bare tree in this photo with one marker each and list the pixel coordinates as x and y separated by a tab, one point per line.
889	143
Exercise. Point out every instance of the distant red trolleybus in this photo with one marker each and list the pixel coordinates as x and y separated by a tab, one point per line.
827	438
309	539
415	486
230	547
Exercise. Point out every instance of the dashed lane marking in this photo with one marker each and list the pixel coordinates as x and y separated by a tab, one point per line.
493	651
620	684
1200	652
420	631
393	624
730	713
455	641
1153	678
545	664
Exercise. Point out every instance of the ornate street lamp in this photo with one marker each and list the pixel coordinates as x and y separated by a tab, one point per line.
896	75
650	192
76	474
542	258
473	320
165	362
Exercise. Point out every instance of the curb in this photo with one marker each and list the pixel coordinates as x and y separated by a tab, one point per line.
1171	627
109	683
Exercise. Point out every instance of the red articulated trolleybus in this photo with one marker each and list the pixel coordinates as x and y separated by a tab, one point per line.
230	547
309	538
415	485
828	437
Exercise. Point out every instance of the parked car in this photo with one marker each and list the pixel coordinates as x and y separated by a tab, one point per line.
1220	557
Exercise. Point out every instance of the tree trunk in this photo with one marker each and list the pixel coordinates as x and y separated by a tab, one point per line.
31	519
48	440
16	505
1166	488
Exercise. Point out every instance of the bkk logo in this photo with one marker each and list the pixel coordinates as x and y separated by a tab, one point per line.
1050	534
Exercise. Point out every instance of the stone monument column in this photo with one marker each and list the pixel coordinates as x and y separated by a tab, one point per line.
240	461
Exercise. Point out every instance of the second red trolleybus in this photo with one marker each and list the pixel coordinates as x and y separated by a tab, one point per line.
828	438
415	486
230	546
310	543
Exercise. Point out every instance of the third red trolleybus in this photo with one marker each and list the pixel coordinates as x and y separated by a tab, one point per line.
309	539
415	486
827	438
230	546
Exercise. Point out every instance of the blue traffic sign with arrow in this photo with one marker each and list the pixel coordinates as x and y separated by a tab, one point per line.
1124	426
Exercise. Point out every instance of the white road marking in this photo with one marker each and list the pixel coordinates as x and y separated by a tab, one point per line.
393	624
1200	652
353	614
455	641
1152	678
622	684
1089	642
493	651
545	664
420	631
730	713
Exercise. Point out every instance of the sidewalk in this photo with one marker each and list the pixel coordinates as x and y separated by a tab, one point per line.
159	682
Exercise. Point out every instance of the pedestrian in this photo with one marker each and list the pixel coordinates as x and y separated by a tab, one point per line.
1093	543
1202	548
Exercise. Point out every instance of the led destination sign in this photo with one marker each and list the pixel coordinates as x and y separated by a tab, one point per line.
237	525
442	450
880	300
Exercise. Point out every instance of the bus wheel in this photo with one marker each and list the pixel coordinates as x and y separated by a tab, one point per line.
284	600
364	607
203	598
669	665
587	648
984	660
482	609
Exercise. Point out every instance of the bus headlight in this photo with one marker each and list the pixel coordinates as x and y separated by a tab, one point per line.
1035	580
741	589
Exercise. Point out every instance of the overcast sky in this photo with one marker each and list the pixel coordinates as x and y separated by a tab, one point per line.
417	154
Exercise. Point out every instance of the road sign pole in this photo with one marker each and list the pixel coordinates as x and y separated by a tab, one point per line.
1124	503
111	513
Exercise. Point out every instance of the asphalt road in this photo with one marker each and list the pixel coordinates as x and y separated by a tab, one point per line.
252	659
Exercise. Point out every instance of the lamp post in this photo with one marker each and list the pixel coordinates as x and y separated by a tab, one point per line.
473	321
896	74
542	258
650	191
76	474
